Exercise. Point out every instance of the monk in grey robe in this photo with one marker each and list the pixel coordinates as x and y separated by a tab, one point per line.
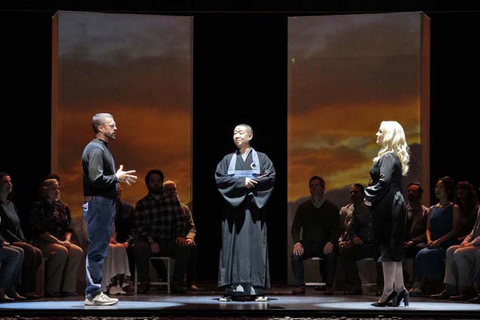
245	179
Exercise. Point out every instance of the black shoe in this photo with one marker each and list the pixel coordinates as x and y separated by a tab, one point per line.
5	298
12	293
444	295
193	287
30	296
459	297
298	290
415	292
391	299
329	290
467	294
143	289
179	289
53	294
129	289
354	290
17	297
404	296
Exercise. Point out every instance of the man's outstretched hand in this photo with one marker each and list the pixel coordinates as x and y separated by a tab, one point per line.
126	176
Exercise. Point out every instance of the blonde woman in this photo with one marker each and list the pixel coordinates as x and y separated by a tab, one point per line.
385	197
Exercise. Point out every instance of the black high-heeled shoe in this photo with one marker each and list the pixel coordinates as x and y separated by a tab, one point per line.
391	299
404	296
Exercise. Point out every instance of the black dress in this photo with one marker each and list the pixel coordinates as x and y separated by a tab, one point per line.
389	210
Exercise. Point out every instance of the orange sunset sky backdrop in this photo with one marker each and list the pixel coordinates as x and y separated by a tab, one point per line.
139	69
347	74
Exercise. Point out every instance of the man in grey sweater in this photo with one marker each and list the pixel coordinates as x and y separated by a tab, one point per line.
100	192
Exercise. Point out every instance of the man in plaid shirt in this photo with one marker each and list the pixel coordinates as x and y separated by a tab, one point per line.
161	232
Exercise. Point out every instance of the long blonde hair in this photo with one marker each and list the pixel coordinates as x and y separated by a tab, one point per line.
394	140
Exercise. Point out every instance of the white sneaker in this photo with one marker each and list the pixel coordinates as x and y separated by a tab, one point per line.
224	299
261	299
101	300
114	290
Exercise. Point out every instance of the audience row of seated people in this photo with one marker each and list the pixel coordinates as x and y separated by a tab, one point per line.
158	225
448	231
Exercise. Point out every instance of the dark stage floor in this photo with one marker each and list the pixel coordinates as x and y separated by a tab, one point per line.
205	304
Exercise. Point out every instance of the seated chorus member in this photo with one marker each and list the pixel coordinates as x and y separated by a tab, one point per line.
12	233
417	214
460	258
52	232
170	190
441	230
319	220
360	244
11	259
475	273
415	232
346	216
161	232
466	200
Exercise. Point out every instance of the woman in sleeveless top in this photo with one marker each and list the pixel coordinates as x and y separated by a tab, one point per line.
441	230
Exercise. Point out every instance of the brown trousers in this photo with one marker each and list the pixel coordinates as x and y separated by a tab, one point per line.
61	267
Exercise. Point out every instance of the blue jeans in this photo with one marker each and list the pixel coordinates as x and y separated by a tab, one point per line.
11	260
98	214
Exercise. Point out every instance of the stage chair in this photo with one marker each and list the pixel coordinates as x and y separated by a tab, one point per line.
315	284
364	273
157	283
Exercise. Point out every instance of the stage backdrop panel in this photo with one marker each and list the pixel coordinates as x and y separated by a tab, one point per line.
139	69
346	74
